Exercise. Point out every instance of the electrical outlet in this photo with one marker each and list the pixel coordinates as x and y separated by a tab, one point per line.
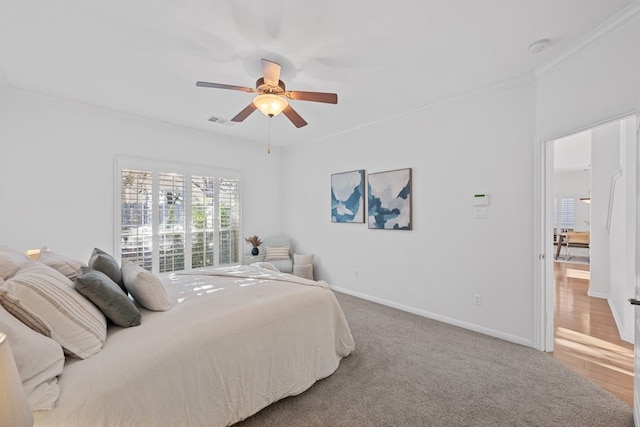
477	299
356	273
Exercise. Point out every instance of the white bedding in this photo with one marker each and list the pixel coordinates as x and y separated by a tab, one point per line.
231	345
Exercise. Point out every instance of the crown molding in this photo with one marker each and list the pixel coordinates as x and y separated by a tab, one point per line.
602	32
523	80
83	107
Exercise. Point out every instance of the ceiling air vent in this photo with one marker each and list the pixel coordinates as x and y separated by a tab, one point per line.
221	121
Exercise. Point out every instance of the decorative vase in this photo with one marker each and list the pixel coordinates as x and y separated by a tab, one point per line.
255	251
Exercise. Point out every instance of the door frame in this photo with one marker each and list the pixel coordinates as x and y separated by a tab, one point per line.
636	319
543	309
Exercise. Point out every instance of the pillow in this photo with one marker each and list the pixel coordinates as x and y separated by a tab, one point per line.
102	261
45	300
145	287
108	297
11	259
276	252
64	264
266	266
304	270
302	259
39	360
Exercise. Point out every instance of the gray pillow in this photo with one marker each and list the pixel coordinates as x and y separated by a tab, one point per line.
98	288
102	261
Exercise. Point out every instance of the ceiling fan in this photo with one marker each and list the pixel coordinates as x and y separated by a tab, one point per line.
272	95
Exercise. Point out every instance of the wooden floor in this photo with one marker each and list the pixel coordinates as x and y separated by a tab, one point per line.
586	337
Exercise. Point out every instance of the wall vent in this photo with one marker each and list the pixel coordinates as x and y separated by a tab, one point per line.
221	121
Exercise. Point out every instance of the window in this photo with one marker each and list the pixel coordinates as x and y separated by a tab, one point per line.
564	213
175	217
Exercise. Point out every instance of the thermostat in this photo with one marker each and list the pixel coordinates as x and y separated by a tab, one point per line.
480	200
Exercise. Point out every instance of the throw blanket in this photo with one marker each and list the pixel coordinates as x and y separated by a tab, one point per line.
255	272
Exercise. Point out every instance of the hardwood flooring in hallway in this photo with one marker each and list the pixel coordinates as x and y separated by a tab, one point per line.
586	337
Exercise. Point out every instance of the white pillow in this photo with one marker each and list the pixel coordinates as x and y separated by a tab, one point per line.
46	301
303	270
145	287
276	252
39	359
64	264
302	259
11	259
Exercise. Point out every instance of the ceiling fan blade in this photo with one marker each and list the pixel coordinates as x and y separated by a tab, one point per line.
244	113
271	72
329	98
223	86
295	118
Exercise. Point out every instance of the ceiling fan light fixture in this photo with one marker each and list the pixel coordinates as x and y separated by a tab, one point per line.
270	105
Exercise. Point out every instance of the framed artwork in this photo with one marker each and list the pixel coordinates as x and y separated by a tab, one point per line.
347	197
389	200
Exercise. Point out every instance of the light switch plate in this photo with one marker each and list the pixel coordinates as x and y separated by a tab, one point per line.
480	213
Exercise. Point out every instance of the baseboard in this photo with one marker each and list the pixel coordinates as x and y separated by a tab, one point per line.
455	322
636	408
597	295
622	332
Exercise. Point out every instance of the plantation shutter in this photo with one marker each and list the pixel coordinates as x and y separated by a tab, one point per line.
203	190
179	220
136	230
564	213
171	231
229	220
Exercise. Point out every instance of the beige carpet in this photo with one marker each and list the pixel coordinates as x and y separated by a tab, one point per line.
411	371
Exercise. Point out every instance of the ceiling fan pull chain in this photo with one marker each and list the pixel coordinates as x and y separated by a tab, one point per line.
269	135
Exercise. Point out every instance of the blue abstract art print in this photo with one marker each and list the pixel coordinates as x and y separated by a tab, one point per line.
389	200
347	197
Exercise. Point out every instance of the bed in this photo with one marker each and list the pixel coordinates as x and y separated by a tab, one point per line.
235	340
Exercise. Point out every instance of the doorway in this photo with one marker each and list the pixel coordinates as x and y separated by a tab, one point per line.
611	187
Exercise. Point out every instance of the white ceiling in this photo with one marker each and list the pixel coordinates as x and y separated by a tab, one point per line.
383	59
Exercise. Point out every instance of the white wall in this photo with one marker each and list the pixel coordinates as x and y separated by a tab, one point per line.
481	144
614	202
591	86
57	171
605	246
478	145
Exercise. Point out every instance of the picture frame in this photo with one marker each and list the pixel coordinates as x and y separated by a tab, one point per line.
347	197
389	200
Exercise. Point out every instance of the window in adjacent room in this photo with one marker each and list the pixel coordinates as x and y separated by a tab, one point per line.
564	213
175	217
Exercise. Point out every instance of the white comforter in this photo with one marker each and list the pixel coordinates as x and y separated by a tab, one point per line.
232	344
